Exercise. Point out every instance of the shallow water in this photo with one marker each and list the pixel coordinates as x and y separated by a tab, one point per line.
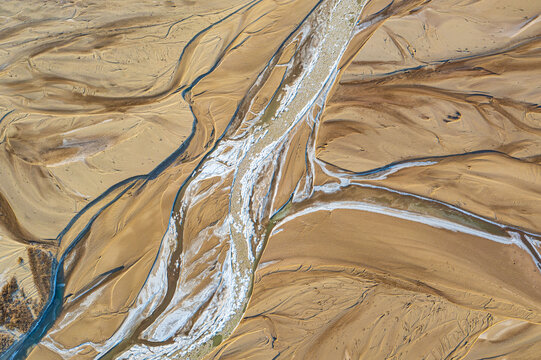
270	179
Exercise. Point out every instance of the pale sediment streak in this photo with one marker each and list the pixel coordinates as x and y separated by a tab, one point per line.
225	295
526	242
434	222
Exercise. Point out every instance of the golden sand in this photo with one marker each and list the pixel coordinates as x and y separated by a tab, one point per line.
270	179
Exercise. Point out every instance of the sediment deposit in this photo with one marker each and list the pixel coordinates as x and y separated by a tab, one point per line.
270	179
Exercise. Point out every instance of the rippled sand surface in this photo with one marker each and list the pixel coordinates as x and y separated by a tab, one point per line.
286	179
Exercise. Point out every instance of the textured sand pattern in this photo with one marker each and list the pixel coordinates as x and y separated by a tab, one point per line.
270	179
